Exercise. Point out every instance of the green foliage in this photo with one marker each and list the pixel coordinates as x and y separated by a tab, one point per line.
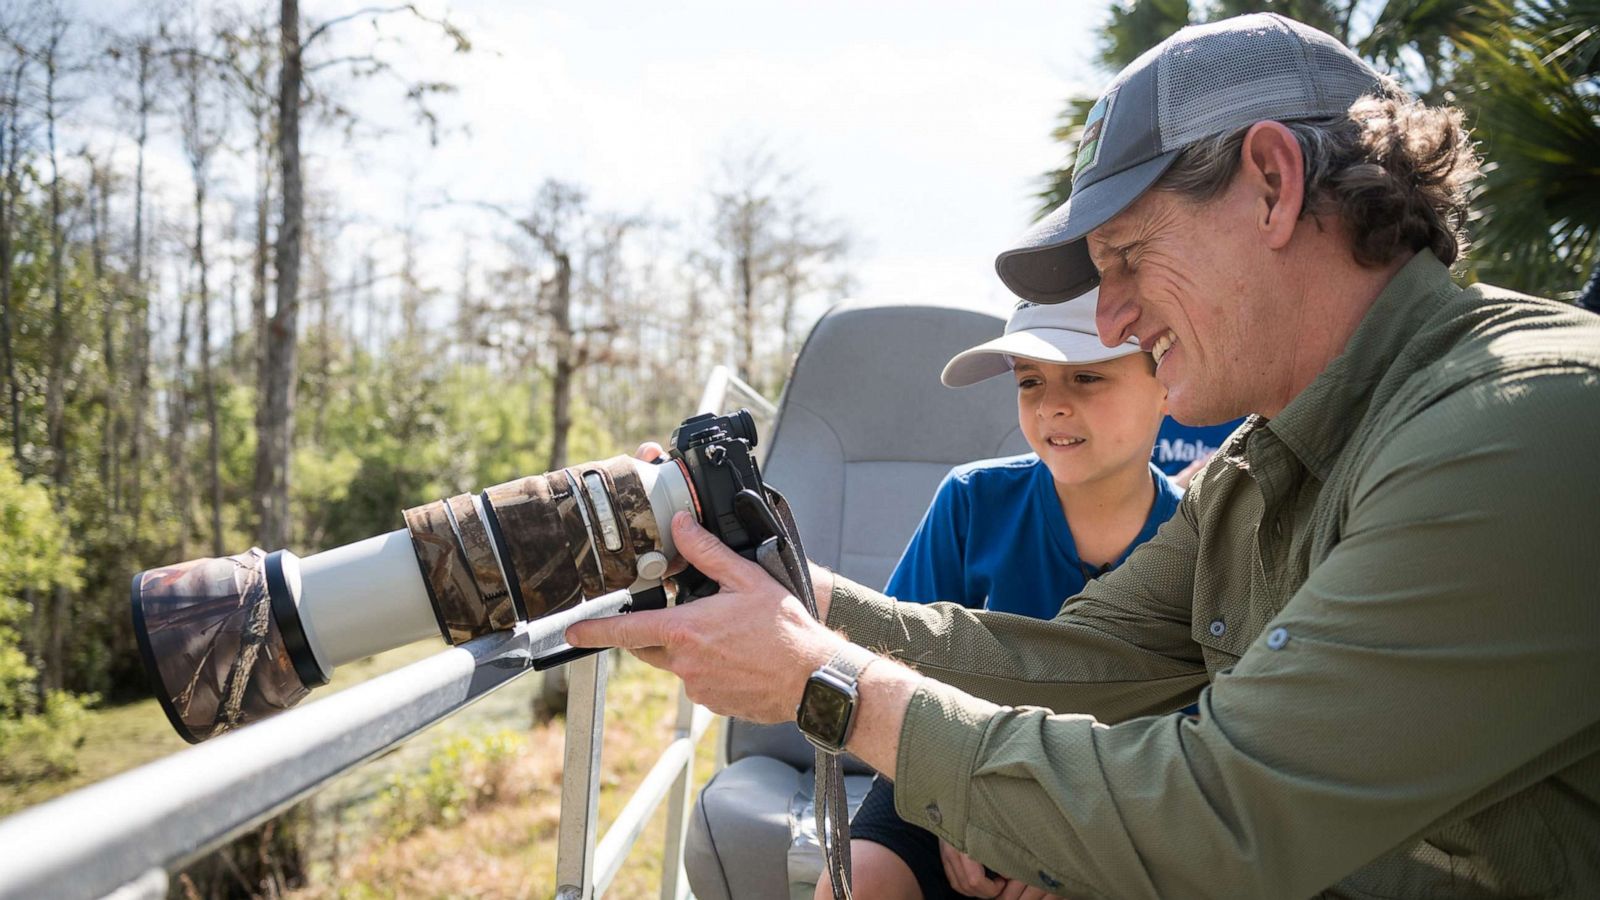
467	773
35	560
1334	18
1135	26
44	744
393	437
1531	86
37	738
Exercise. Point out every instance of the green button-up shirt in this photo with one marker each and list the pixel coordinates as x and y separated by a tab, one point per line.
1387	603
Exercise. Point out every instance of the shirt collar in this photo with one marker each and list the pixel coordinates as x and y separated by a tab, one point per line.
1319	421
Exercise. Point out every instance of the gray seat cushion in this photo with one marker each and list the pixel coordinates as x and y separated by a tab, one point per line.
742	839
864	434
865	431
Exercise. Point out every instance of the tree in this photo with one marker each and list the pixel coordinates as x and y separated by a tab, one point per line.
63	344
138	50
11	84
275	438
565	239
766	251
204	121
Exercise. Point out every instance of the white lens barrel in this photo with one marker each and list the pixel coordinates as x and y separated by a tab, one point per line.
361	599
669	491
368	597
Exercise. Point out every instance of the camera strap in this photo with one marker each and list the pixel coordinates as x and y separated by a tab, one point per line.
789	566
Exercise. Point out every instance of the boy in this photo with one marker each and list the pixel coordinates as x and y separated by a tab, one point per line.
1023	533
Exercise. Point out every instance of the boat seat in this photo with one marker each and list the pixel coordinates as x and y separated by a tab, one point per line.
864	434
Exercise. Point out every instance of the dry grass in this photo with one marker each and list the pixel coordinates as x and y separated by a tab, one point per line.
507	848
119	738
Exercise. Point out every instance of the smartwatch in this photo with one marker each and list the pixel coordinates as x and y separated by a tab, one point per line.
827	710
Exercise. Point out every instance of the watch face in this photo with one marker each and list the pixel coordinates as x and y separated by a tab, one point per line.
825	710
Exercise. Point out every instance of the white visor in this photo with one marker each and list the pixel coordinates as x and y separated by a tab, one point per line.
1061	333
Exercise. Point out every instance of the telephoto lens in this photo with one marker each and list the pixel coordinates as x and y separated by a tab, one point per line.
228	641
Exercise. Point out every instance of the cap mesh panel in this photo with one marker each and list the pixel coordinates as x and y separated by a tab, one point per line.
1342	78
1214	79
1238	78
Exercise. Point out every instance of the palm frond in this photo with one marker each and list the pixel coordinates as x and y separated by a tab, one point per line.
1539	206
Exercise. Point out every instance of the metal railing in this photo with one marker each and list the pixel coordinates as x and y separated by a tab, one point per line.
123	836
725	390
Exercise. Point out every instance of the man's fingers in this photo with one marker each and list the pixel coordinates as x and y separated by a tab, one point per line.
630	632
1021	890
966	874
712	557
649	451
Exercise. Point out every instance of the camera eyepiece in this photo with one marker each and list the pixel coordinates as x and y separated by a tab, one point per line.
708	428
742	425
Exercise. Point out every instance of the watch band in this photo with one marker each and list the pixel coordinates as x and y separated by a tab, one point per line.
850	661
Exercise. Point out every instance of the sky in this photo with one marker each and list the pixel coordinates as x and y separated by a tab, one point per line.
922	127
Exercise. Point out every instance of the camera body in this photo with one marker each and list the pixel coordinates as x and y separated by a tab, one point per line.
231	640
715	454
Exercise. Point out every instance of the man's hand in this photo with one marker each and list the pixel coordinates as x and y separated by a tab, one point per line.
745	651
969	877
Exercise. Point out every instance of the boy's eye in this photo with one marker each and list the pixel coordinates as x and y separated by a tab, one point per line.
1025	383
1087	378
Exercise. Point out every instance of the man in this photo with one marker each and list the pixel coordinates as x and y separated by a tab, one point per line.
1383	588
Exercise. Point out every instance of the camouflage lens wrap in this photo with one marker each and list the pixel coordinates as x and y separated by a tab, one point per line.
469	597
478	549
546	543
535	545
635	517
207	632
617	567
563	494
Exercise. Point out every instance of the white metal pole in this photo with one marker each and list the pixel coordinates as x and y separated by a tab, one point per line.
580	778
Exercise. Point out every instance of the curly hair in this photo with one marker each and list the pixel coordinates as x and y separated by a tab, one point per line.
1395	171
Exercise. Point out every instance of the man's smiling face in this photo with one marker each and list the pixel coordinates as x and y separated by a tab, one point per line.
1187	282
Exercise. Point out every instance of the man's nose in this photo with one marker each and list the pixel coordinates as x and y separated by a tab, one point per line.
1115	312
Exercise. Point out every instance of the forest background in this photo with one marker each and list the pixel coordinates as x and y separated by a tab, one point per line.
207	343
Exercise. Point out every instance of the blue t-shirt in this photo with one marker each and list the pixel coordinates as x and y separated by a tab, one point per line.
1178	444
995	538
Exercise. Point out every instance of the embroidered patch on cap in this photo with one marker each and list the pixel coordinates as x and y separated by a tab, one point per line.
1089	142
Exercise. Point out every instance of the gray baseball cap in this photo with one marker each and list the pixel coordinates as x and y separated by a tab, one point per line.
1205	80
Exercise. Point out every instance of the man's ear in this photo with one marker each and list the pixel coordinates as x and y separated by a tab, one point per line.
1273	169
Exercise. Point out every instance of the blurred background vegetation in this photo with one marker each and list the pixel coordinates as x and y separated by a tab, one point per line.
188	369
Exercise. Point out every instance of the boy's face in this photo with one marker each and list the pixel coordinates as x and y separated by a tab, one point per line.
1088	422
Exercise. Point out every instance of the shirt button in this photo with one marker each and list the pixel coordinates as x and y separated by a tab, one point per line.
1218	627
1277	638
934	815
